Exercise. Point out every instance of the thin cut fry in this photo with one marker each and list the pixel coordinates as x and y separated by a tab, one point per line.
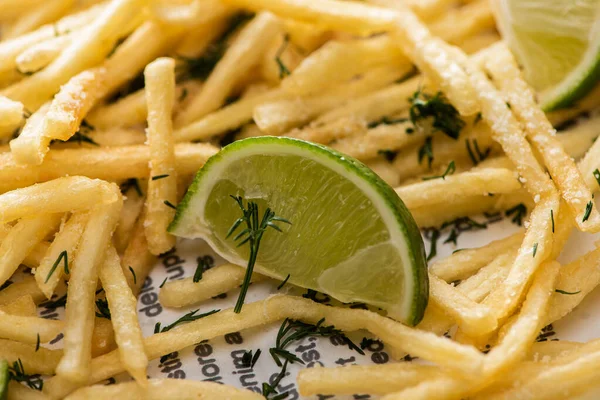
31	145
114	164
238	59
41	361
122	304
11	115
25	287
162	186
133	205
75	364
21	239
103	337
165	389
61	251
39	16
465	359
16	391
221	279
23	306
138	258
28	329
38	56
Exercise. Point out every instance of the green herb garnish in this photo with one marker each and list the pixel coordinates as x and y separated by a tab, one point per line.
283	282
552	218
189	317
252	235
519	211
134	276
169	204
444	116
63	256
535	246
426	150
588	211
597	175
17	374
283	70
131	183
157	177
449	171
103	310
567	293
476	156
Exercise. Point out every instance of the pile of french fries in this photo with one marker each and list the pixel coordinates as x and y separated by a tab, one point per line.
75	126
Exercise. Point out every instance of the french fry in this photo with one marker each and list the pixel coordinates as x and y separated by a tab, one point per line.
35	361
113	137
500	63
11	116
464	263
386	171
24	306
95	41
217	280
82	285
116	164
462	22
138	258
474	44
551	350
237	60
23	237
25	287
38	16
479	285
174	389
197	40
350	17
59	195
162	186
133	205
306	36
280	116
420	343
10	49
471	317
38	56
60	253
30	146
122	304
36	255
434	192
17	391
338	61
103	337
590	102
192	14
382	379
28	329
13	8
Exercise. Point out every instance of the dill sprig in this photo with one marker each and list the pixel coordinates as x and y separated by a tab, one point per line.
449	171
445	118
567	293
291	331
189	317
133	274
389	155
282	284
157	177
63	256
552	218
170	205
252	235
476	156
270	389
588	211
17	374
426	150
535	247
103	310
283	70
386	121
433	235
519	211
249	360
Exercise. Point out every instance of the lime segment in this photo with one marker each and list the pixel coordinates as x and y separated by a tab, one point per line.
558	44
351	236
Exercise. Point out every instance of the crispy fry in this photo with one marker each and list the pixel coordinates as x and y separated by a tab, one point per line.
103	337
137	257
160	93
11	116
38	56
17	391
133	205
38	16
25	287
116	164
50	270
28	329
80	294
221	279
41	361
24	306
123	303
21	239
31	145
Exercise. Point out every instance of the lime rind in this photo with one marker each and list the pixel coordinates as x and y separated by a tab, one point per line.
4	378
383	197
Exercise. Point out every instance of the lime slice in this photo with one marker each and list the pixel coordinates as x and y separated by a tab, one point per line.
558	44
351	236
4	378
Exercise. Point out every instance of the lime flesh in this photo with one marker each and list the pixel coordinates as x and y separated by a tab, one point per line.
4	378
558	44
351	236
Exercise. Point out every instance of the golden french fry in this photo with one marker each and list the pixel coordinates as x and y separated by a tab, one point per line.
133	205
471	317
80	306
31	146
162	185
550	350
174	389
462	359
464	263
435	192
116	164
463	22
217	280
385	170
39	16
60	254
58	196
28	329
351	17
16	391
23	306
38	56
137	257
25	287
237	60
35	361
373	379
21	239
192	14
122	304
11	116
500	63
479	285
103	337
212	25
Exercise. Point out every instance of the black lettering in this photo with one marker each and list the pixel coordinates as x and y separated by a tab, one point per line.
234	338
57	339
176	276
344	361
217	379
312	364
147	285
238	356
338	340
380	357
152	310
300	349
179	374
202	361
375	345
171	365
149	298
210	370
311	355
245	380
203	350
172	260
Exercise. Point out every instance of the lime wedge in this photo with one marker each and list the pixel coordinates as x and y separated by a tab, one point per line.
351	236
558	44
4	378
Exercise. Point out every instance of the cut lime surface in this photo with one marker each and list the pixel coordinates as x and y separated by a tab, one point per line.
4	378
351	236
558	44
